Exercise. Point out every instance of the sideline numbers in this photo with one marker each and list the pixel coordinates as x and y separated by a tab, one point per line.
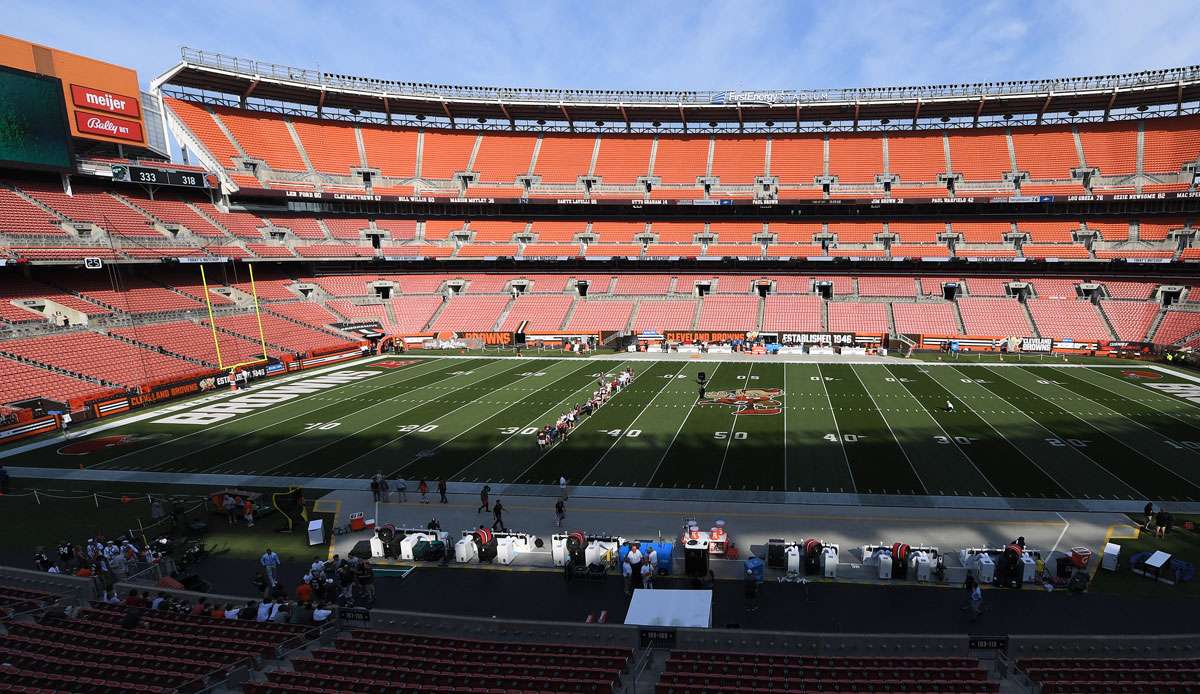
410	428
321	426
844	438
737	435
1074	443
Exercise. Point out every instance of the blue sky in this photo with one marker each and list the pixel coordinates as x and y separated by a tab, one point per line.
653	45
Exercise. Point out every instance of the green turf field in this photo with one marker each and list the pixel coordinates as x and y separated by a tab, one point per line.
1015	430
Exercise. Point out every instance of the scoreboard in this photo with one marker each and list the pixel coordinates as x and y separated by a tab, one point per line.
159	177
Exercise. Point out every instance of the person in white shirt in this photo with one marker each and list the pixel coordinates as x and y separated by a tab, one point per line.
634	556
647	576
562	486
652	559
65	420
627	573
232	613
265	609
321	613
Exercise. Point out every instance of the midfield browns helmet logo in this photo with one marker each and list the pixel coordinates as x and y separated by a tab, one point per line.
101	443
1142	374
747	401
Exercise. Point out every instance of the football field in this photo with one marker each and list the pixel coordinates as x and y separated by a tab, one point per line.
1023	431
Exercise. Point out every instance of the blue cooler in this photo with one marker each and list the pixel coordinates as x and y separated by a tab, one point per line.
754	566
664	555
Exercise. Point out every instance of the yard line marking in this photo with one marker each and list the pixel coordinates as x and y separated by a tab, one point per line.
836	428
1119	413
1148	402
947	433
889	427
681	426
666	382
785	429
1136	451
568	433
533	421
475	426
1048	431
388	419
732	427
243	418
1060	535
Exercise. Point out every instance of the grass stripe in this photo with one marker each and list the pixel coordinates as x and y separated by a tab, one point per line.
756	461
880	466
513	454
694	457
633	460
1009	472
941	463
1125	462
573	457
255	430
814	463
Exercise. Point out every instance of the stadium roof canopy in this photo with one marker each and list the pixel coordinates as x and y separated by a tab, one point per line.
260	85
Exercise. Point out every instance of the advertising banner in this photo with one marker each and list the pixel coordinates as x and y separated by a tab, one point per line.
838	339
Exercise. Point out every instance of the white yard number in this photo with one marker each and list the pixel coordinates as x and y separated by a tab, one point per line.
533	373
844	438
410	428
972	380
737	435
1044	382
1074	443
960	440
461	373
752	378
321	426
889	379
821	378
509	431
632	433
1194	445
672	376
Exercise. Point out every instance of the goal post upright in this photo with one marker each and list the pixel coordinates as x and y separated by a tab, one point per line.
212	323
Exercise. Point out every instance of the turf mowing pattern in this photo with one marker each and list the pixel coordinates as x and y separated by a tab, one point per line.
1038	431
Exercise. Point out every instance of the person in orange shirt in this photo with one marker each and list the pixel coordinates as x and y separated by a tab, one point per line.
303	593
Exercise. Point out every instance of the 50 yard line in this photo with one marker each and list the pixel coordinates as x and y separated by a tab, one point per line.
732	429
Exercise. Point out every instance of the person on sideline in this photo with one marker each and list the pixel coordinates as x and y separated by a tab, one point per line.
270	563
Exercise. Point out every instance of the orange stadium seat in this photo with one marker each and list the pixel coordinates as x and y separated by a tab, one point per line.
854	317
994	317
932	286
351	311
981	232
99	356
856	232
397	229
609	250
1059	250
495	231
305	228
335	250
1045	153
263	136
793	313
797	159
777	250
681	159
19	217
1129	290
92	205
311	314
20	381
178	212
193	341
667	314
550	231
1177	326
1110	147
241	224
886	286
917	232
413	313
855	158
445	154
1074	319
1048	232
487	250
676	232
1130	319
926	318
1110	231
623	159
330	146
550	250
739	160
600	315
733	250
347	229
642	284
391	150
1157	230
918	157
200	122
728	313
545	312
503	157
1170	143
842	284
470	313
440	229
979	156
564	158
263	250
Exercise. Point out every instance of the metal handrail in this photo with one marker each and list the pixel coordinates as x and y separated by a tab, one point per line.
318	78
